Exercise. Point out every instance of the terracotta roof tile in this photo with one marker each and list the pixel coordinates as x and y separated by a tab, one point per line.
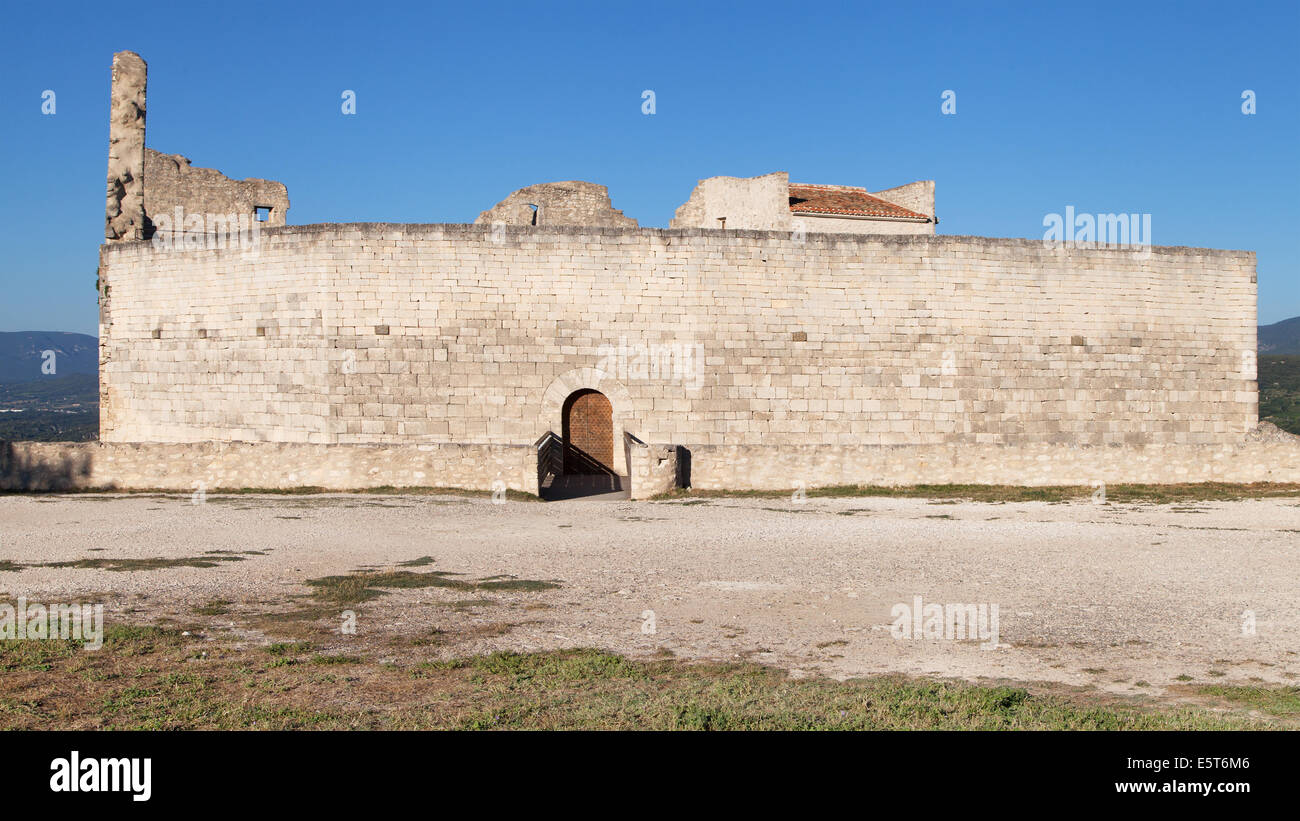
846	200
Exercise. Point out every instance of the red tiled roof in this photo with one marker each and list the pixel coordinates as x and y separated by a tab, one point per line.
845	200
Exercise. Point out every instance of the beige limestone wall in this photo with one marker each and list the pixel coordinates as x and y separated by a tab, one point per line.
652	469
745	203
172	183
187	467
820	223
436	334
558	203
917	196
220	465
763	204
743	467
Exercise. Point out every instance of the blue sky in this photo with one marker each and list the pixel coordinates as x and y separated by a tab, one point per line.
1109	107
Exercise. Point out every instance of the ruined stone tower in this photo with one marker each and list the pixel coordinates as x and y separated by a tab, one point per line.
147	187
124	211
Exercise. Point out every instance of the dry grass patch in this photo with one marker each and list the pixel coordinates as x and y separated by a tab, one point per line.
363	586
1157	494
152	678
210	559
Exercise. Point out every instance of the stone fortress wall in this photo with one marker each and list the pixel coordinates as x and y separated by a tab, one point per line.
439	333
773	359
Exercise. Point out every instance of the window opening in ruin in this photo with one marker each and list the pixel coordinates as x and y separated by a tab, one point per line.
263	212
535	211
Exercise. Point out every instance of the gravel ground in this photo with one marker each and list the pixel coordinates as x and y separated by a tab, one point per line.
1124	598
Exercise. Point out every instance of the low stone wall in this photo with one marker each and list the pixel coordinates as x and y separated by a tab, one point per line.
1265	455
651	469
123	466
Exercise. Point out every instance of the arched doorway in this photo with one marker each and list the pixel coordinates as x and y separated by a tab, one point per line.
588	433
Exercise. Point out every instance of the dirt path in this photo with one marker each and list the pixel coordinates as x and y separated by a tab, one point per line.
1126	598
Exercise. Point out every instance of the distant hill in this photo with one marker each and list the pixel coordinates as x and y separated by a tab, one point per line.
22	355
65	394
52	409
1279	391
34	405
1280	337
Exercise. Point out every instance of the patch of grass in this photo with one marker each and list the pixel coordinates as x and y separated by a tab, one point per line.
216	607
336	660
562	665
297	622
436	637
390	490
446	664
469	604
672	695
423	561
287	648
142	639
488	630
214	494
1159	494
133	565
354	588
34	654
383	490
1277	701
237	687
516	585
